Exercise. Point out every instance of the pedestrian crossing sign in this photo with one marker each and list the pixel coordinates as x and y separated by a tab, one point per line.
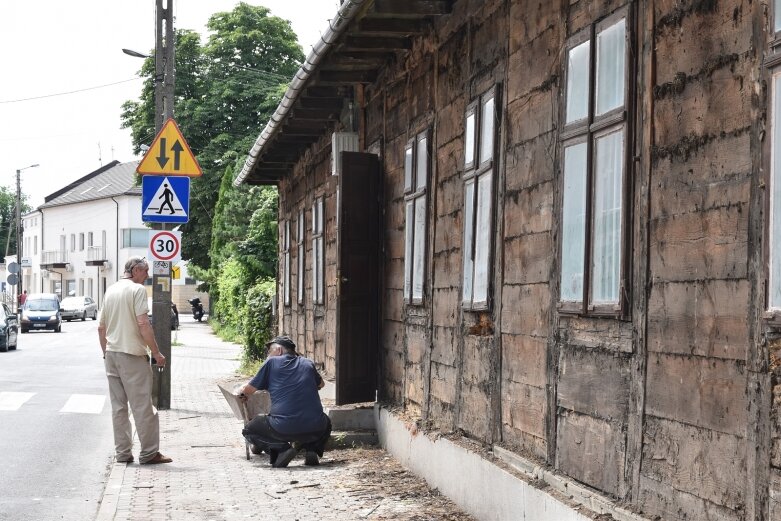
165	199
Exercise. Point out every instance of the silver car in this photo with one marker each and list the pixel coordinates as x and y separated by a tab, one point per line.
78	307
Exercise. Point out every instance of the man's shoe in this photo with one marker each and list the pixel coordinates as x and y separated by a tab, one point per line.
284	458
126	460
158	458
311	458
272	456
255	449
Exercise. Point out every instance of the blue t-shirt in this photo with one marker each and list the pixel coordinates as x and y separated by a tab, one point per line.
292	382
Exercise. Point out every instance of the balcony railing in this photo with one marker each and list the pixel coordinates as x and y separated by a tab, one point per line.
96	255
54	258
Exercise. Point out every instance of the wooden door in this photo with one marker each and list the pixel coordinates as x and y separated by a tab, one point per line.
357	333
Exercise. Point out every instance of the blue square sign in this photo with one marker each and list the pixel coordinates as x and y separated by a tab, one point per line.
165	199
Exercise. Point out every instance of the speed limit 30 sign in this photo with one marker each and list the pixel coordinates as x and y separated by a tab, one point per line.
165	245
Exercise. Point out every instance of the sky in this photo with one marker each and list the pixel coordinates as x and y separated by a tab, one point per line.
51	47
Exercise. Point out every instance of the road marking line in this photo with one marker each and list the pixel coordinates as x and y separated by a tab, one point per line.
12	401
84	404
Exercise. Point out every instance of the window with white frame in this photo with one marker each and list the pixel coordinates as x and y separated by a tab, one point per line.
286	262
417	165
300	258
594	149
480	126
89	239
81	241
318	252
73	242
773	62
134	237
35	245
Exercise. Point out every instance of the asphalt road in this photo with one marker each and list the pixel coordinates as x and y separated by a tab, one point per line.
56	441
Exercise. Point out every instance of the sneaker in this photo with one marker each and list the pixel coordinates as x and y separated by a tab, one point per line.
255	449
284	458
311	458
272	456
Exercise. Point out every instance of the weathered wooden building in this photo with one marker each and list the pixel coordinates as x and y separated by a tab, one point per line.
553	226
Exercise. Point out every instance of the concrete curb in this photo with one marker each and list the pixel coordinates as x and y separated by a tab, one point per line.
110	499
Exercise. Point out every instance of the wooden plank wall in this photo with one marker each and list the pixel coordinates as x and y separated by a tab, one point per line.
668	408
694	452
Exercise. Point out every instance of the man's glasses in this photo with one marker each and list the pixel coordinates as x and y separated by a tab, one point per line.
138	262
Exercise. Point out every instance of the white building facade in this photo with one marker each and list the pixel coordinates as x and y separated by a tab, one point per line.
77	241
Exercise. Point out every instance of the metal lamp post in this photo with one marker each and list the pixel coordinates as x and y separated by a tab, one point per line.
19	228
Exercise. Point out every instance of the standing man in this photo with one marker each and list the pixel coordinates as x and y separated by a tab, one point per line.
296	414
125	333
22	298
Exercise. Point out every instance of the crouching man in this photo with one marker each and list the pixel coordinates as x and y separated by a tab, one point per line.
296	420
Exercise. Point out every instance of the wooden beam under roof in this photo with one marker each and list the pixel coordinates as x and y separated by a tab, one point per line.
406	26
314	114
342	77
413	7
310	102
387	43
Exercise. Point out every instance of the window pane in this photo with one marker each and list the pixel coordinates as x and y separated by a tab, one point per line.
607	218
320	215
287	278
487	131
611	55
578	82
483	238
300	275
421	172
408	261
408	169
320	272
573	234
777	15
419	266
469	189
775	201
469	139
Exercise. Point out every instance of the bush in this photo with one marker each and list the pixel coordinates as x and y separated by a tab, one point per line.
258	325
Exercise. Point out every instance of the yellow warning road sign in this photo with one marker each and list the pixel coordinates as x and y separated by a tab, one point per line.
176	272
169	154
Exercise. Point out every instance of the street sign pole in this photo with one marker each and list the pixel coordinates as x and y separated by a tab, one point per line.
164	110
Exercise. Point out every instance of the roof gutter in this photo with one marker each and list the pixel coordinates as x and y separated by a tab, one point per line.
336	27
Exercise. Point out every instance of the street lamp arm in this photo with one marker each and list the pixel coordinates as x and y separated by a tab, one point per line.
135	54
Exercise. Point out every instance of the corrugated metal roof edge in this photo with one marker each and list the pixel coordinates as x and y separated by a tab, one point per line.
132	192
76	183
336	27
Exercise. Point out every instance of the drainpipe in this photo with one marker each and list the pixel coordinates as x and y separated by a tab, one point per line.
116	258
41	250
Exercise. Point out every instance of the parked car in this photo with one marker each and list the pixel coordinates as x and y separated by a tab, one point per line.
9	328
41	311
174	314
78	307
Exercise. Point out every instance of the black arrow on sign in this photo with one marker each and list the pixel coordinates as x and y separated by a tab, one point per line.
177	148
162	159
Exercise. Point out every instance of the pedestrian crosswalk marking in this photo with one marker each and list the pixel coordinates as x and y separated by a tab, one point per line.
10	401
84	404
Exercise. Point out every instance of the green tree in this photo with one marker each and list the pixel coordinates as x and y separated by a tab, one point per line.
226	90
8	220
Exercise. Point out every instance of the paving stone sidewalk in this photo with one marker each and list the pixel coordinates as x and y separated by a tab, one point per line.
211	479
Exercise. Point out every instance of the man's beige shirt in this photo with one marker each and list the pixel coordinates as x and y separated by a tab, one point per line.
123	302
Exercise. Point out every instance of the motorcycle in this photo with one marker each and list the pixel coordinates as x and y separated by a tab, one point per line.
196	308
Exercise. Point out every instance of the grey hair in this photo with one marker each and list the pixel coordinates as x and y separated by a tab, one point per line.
132	262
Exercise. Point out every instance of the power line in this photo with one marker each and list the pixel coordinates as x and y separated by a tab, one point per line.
71	92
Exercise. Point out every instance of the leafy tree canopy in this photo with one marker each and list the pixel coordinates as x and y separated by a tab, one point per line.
226	89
